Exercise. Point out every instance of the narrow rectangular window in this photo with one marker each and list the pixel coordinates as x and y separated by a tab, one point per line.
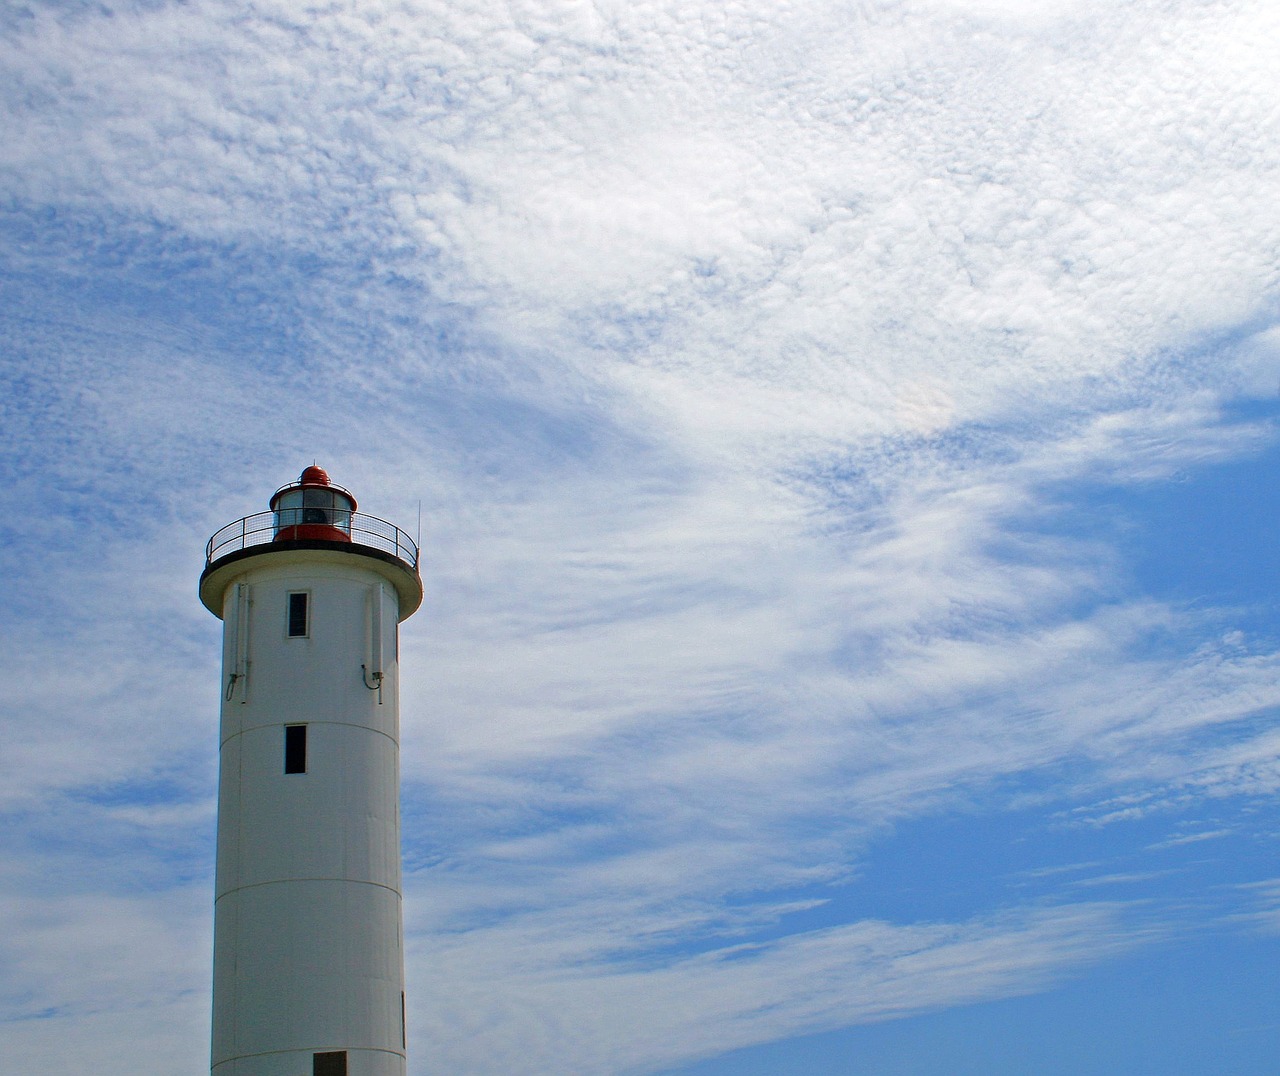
404	1031
295	749
298	614
333	1063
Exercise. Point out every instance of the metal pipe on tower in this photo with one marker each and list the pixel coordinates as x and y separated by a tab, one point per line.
308	966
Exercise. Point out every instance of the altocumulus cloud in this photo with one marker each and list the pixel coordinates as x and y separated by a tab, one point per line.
781	386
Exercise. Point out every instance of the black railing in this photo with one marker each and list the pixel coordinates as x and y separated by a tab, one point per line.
262	529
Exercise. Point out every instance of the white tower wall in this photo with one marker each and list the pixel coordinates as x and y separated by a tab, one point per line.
308	933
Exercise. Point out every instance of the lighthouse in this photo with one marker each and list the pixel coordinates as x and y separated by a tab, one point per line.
308	962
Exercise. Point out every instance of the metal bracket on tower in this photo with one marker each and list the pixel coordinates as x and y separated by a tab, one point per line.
377	681
374	616
239	677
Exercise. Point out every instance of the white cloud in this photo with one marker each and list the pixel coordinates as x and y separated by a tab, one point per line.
98	980
483	1014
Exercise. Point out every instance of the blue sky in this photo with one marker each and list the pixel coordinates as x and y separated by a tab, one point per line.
846	437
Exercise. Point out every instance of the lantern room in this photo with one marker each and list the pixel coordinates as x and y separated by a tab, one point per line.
312	508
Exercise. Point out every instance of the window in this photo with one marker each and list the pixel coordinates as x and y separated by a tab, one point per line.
313	507
333	1063
298	625
295	749
317	506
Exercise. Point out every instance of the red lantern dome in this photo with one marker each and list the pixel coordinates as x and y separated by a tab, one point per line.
312	508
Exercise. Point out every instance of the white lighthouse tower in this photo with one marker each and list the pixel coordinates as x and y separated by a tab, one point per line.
308	963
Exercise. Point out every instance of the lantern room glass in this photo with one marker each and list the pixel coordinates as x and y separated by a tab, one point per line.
312	506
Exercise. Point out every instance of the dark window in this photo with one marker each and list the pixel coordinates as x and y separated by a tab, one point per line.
317	506
404	1034
295	749
297	615
333	1063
